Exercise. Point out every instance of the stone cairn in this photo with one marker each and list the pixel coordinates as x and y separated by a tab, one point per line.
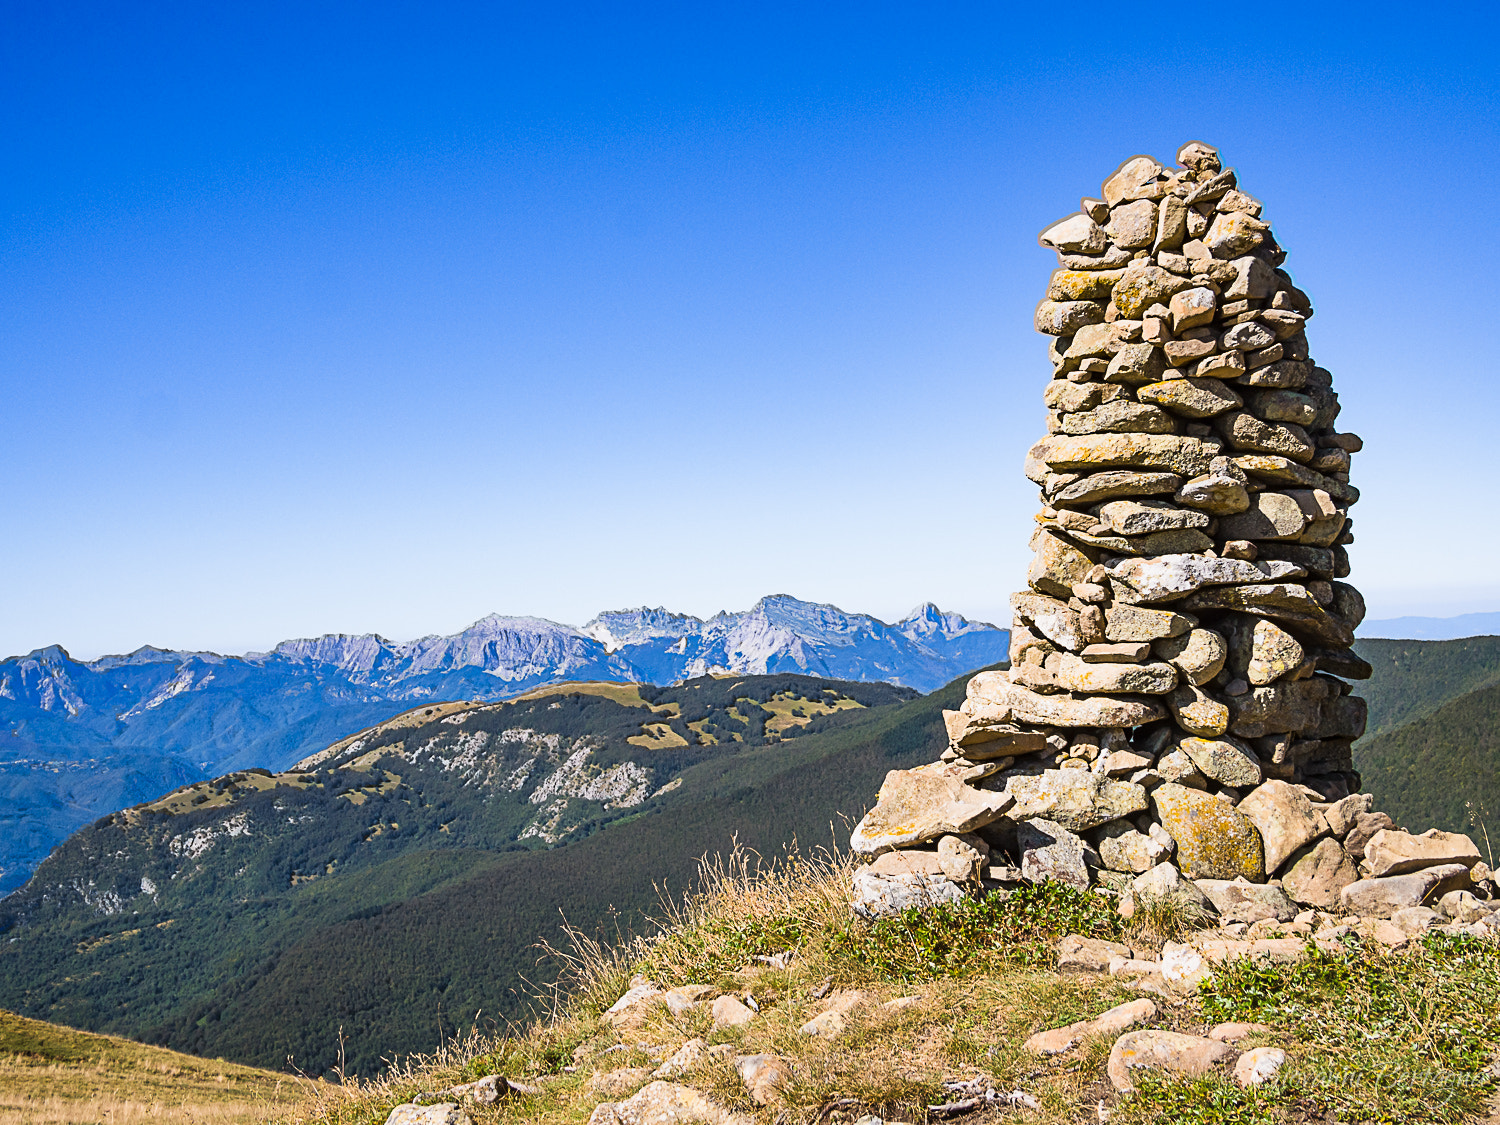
1177	718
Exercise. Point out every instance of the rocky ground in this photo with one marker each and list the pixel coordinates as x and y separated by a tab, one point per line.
768	1000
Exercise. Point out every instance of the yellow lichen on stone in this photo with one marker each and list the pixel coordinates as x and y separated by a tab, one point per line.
1214	841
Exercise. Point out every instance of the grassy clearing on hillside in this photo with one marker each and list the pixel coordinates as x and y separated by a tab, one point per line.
52	1075
1402	1037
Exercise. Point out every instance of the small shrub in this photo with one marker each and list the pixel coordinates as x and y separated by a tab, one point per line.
1210	1099
948	939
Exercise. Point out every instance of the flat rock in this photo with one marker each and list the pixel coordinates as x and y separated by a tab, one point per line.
1112	1022
1285	819
1237	900
443	1113
1381	898
1392	852
881	896
1114	483
1140	517
1077	674
1214	839
1366	824
1141	623
922	804
1168	577
1119	418
1191	398
1243	430
1076	799
1216	951
1318	876
1171	1051
1079	954
666	1103
1186	456
1271	515
1026	706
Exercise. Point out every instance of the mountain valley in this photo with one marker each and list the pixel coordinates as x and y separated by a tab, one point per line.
88	737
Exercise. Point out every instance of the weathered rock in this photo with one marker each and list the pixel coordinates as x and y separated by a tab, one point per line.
683	1060
619	1083
1057	565
959	860
1214	839
1052	618
1114	483
1050	851
1365	826
1137	178
1144	286
763	1076
922	804
1136	364
442	1113
1164	452
983	739
1271	515
1238	900
731	1011
1119	417
1080	675
1139	623
833	1019
1224	759
1233	1032
1341	816
1163	1050
629	1008
685	997
1197	712
1391	852
1061	710
1287	705
1259	1065
1130	652
1192	398
880	896
1076	799
1169	577
1139	517
1199	655
1077	233
1112	1022
1285	819
1319	874
1132	225
1244	430
1082	285
1063	318
666	1103
1380	898
1079	954
1124	849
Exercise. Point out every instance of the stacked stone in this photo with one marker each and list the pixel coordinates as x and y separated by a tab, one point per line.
1178	698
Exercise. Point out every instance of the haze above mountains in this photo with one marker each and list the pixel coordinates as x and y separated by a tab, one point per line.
89	737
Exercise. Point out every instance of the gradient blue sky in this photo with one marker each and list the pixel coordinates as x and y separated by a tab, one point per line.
380	317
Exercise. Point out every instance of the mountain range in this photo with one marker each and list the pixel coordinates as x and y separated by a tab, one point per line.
88	737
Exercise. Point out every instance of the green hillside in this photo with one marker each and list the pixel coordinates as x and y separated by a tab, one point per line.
1415	678
396	889
1441	770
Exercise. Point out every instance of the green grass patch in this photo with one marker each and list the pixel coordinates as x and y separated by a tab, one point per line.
950	939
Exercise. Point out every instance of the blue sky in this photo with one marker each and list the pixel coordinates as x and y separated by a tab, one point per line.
381	317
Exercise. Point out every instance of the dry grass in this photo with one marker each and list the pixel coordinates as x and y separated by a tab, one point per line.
966	1021
52	1075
